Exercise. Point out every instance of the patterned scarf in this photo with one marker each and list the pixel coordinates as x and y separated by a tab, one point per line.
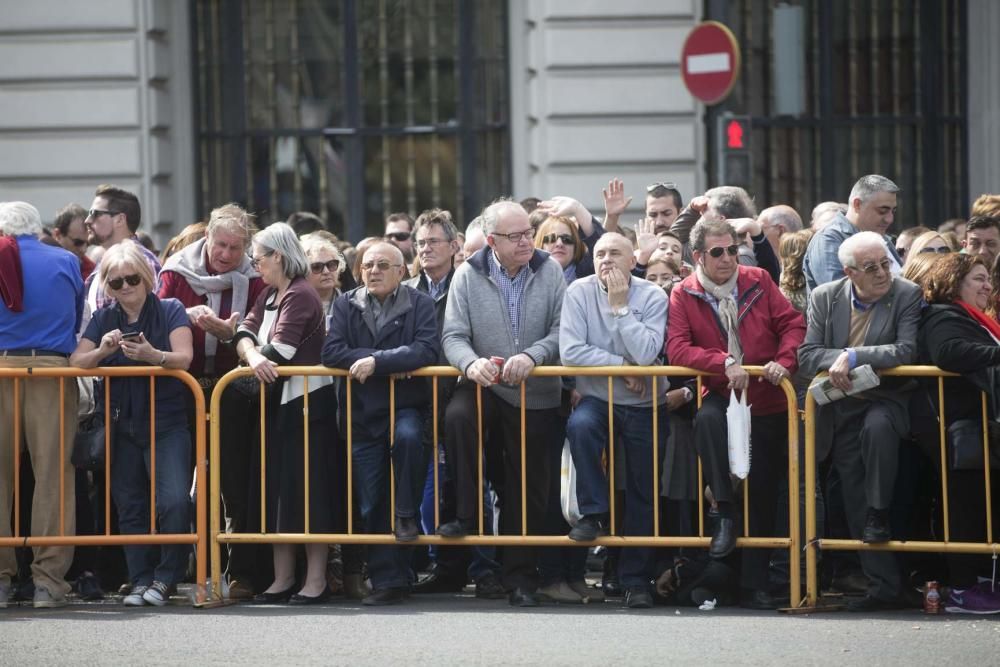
728	312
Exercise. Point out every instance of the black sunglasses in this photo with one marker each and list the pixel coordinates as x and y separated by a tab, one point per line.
331	266
552	238
133	280
96	213
717	251
398	236
942	250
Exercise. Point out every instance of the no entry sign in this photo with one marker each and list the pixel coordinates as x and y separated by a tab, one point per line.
710	62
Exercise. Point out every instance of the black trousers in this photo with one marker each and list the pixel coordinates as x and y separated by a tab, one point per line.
503	424
865	453
768	464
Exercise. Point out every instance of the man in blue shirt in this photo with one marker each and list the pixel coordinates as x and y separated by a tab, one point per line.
42	335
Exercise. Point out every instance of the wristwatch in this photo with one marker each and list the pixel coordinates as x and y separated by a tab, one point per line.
621	312
730	361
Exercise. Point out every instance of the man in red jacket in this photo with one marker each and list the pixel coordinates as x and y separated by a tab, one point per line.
722	317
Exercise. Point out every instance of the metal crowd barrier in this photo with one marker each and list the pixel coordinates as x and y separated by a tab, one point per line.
218	537
198	538
814	543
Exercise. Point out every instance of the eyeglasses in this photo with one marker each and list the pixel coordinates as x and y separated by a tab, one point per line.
255	261
552	238
517	237
872	269
331	266
654	186
943	249
398	236
383	265
731	250
423	243
95	213
116	283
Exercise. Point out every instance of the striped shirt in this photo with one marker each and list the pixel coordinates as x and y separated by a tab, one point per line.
511	290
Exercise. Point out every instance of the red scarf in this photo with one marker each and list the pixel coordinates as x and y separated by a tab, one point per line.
11	285
984	320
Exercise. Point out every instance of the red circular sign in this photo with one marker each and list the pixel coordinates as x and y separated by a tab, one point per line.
710	62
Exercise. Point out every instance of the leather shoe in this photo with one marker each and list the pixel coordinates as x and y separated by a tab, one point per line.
869	604
610	585
355	587
281	597
522	597
406	529
723	538
440	582
488	587
299	599
876	527
589	528
637	597
750	599
456	528
386	596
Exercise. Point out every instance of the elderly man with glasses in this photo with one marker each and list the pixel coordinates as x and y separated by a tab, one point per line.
722	317
867	317
504	302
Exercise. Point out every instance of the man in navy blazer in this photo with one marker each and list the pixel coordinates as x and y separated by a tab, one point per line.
379	330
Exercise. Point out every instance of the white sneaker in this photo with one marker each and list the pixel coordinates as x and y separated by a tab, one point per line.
158	594
136	597
45	600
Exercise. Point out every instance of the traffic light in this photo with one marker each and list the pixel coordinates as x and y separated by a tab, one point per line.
733	158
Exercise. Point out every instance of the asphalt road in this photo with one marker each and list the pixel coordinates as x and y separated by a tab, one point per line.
459	629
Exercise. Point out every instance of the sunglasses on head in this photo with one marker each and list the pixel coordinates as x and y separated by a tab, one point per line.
331	266
133	280
668	186
398	236
552	238
716	252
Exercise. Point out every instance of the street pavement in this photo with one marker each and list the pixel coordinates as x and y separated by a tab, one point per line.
460	629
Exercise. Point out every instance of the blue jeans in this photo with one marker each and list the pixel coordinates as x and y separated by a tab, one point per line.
389	565
130	489
587	430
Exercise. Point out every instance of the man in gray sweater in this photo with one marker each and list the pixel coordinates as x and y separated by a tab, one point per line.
505	302
615	319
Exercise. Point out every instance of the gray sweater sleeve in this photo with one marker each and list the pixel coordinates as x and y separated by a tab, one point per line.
456	335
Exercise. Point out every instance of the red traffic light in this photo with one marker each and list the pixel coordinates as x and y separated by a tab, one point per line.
734	134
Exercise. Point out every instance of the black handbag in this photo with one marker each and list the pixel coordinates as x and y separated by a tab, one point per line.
89	445
965	444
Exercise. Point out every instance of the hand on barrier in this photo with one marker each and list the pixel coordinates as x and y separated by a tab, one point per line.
840	372
517	369
482	371
738	378
774	373
362	369
265	369
675	399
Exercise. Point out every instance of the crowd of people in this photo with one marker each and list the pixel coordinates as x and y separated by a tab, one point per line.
712	285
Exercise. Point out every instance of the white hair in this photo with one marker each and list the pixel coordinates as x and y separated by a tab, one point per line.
849	248
18	218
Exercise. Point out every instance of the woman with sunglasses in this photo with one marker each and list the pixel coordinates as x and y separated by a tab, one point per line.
326	266
140	329
559	237
286	327
928	242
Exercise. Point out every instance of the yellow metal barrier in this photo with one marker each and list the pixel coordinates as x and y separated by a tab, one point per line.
198	538
815	543
792	543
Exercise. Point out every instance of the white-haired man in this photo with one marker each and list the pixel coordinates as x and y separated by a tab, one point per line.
867	317
39	315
